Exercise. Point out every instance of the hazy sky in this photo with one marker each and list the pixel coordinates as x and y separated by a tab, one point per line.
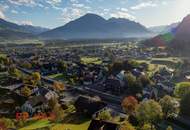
54	13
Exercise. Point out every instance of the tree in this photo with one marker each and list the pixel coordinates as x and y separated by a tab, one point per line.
144	80
147	127
134	85
59	112
36	76
7	123
26	91
185	105
56	109
169	128
127	126
52	102
130	79
14	72
58	86
116	67
129	104
169	106
27	65
104	115
149	112
62	66
181	89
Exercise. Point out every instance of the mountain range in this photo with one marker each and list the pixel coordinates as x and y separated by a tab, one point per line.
163	28
177	39
92	26
9	30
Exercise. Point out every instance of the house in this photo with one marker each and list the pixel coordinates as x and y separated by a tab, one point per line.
34	104
88	105
115	86
48	94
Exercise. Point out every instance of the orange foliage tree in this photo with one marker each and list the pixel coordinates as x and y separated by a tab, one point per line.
129	104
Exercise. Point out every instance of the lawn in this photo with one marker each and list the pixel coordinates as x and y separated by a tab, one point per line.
58	76
71	122
91	60
152	67
3	55
38	124
83	126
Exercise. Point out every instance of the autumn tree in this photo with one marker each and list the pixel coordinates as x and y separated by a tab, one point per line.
7	123
104	115
168	105
13	71
56	109
127	126
58	86
149	112
129	104
26	91
36	76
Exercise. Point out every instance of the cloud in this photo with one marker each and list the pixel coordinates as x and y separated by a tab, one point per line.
122	13
3	8
23	2
78	5
26	22
69	14
144	5
2	15
54	2
14	11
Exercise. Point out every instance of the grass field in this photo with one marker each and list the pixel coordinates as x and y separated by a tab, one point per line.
83	126
58	76
91	60
3	55
37	125
152	67
71	122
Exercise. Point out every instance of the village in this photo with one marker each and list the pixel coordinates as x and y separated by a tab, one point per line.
93	87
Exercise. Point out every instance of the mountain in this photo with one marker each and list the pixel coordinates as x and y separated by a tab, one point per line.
183	30
177	40
14	31
34	29
181	41
92	26
163	28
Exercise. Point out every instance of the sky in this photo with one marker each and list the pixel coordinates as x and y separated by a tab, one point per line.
54	13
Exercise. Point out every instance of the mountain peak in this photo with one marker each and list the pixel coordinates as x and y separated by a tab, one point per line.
91	16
